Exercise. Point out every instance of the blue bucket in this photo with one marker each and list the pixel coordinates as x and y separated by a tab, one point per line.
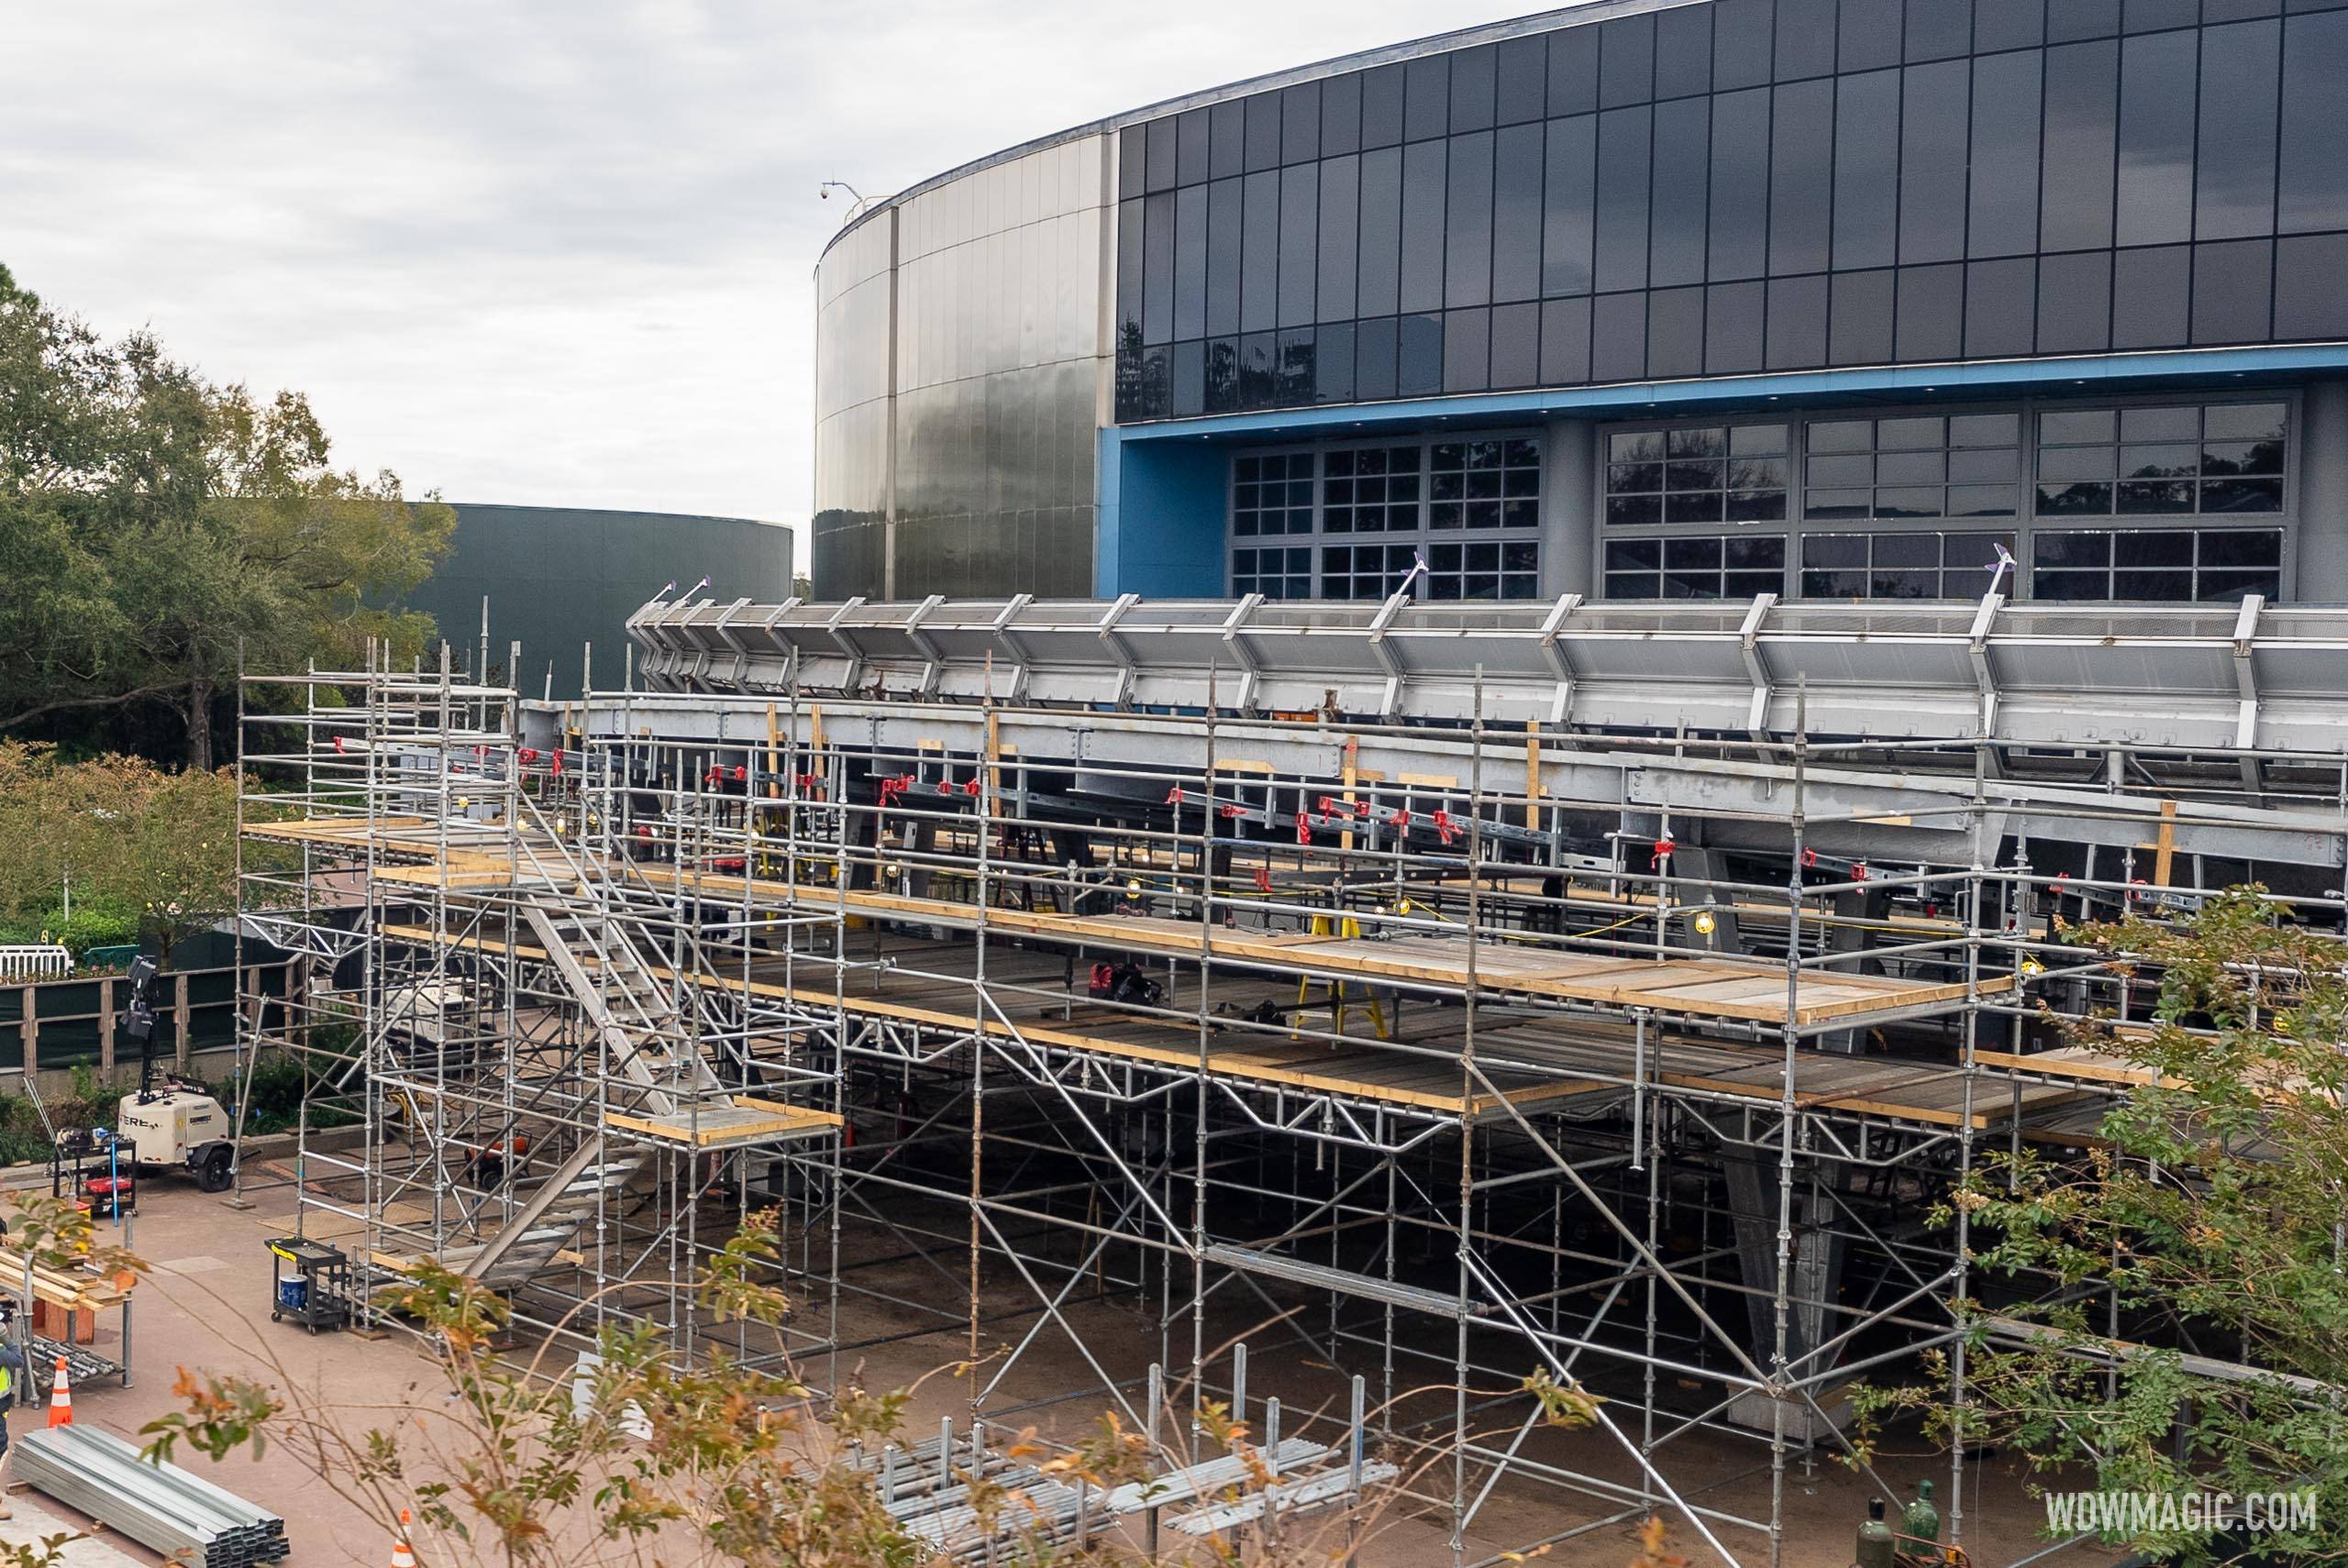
292	1294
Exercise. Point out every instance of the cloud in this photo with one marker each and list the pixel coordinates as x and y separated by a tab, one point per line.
554	254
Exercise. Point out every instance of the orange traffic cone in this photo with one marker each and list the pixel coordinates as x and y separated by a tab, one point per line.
401	1556
60	1399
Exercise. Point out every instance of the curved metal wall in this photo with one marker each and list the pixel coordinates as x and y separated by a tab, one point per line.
854	310
958	387
1737	186
563	580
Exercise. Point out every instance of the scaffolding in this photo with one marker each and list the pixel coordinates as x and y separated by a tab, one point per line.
527	1067
1423	1050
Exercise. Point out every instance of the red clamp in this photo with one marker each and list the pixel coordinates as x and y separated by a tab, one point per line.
2060	878
2135	883
716	775
1303	828
1263	879
741	774
946	785
1662	849
1443	827
972	787
1174	796
1858	870
1230	813
527	755
1808	859
558	765
337	744
1401	821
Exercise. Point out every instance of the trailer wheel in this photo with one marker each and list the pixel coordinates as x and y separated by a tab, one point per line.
217	1171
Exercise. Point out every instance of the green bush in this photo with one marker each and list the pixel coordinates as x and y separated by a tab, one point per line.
96	923
280	1086
88	1103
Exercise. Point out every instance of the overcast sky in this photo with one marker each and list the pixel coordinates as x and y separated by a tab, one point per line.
555	253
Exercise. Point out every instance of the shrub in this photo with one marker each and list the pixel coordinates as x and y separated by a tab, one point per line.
95	923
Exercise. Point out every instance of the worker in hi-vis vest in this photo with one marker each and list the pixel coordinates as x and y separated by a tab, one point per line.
15	1379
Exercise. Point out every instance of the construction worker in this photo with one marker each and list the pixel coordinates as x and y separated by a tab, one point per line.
14	1379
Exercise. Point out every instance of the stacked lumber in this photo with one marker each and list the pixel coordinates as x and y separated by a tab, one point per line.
74	1290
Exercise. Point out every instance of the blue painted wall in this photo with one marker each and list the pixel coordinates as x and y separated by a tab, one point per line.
1161	517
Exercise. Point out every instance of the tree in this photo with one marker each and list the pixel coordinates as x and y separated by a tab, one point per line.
100	846
153	524
2190	1333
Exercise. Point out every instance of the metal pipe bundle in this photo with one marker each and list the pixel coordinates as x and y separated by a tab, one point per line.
187	1519
81	1365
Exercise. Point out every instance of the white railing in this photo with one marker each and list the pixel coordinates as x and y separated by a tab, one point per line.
34	962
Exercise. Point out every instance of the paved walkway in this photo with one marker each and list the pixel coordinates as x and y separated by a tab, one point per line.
34	1522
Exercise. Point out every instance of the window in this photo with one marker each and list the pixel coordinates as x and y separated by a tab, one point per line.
1698	474
2148	462
1274	573
1706	566
1369	490
1918	565
1362	515
1488	569
1484	484
1271	494
1367	571
2174	563
1963	465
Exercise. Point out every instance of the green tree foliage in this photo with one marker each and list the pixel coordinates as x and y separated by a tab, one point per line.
2189	1271
153	522
133	841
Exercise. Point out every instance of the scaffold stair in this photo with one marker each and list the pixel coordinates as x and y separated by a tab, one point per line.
550	1220
634	1009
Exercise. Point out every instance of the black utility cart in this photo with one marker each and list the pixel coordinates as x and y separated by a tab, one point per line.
316	1290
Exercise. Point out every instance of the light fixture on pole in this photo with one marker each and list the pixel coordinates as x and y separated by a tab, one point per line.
823	192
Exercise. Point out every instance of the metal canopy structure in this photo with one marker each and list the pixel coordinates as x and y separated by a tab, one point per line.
1479	999
2246	676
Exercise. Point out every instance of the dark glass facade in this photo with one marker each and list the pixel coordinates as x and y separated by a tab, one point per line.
1740	186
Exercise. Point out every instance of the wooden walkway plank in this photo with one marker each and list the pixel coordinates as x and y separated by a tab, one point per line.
1722	988
1576	1056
